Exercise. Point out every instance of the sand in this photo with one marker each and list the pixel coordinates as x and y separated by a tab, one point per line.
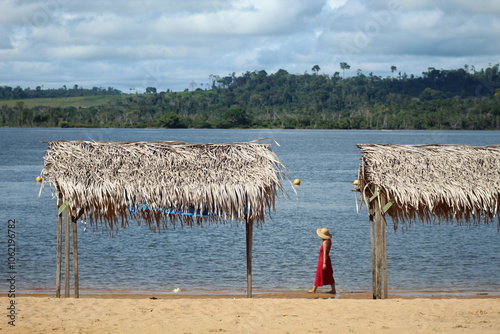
270	313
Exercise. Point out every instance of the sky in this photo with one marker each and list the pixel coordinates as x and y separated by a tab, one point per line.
178	45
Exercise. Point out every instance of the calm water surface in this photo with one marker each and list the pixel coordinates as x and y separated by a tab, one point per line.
422	257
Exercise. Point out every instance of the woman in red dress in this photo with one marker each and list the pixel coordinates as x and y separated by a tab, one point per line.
324	271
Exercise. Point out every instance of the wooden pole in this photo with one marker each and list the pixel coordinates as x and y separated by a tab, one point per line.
249	237
373	249
383	222
379	247
385	293
59	247
373	228
75	257
66	253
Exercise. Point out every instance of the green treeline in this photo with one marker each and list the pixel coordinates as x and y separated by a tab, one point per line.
439	99
17	93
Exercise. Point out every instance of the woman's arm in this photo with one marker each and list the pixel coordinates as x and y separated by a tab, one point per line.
325	252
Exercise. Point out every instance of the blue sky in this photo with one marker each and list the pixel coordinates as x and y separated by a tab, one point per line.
172	44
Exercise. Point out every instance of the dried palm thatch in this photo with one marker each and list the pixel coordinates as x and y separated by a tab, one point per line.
444	182
159	182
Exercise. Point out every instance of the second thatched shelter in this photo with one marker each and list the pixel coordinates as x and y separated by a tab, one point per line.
456	183
164	183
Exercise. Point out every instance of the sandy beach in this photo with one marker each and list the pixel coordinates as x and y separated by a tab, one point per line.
294	312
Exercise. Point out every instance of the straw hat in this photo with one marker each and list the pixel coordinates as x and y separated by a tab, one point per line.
323	233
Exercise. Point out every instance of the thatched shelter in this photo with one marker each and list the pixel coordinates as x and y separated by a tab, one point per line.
163	183
456	183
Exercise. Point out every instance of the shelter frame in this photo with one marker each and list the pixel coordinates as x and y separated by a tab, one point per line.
72	230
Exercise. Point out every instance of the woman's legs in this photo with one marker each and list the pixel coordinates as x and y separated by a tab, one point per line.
332	291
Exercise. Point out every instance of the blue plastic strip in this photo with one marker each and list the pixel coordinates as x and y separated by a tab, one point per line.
191	212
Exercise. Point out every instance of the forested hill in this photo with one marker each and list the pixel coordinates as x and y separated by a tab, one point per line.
439	99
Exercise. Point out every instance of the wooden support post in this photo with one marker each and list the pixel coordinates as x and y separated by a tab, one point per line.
59	248
371	214
385	293
249	237
66	253
383	223
379	248
371	205
75	257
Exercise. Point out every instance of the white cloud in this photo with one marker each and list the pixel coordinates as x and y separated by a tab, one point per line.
420	22
416	5
22	14
481	6
334	4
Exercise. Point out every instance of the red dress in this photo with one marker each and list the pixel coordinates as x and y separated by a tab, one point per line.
324	277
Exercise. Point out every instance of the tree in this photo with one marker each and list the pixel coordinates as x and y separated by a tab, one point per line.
150	90
431	94
315	69
170	120
393	69
344	66
235	118
215	79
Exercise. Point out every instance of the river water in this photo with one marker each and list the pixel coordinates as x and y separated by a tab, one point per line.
421	257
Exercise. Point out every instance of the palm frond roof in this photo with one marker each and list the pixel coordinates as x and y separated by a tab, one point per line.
448	182
163	181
